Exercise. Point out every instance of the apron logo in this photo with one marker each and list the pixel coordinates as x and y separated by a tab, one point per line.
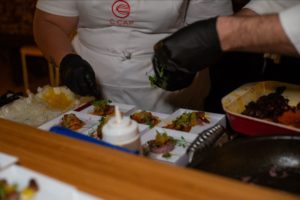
121	9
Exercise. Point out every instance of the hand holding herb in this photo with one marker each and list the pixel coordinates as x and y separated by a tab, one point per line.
167	77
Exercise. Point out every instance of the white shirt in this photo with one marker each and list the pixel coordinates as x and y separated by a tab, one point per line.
117	36
290	21
289	14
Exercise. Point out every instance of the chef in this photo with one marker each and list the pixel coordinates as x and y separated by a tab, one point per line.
113	45
269	26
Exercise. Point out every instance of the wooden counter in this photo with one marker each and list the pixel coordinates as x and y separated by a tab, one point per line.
111	174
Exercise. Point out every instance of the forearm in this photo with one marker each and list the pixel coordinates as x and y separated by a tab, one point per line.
52	38
255	34
246	12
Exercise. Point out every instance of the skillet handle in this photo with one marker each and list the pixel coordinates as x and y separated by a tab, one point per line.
205	140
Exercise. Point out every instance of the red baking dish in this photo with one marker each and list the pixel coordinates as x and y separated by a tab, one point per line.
234	104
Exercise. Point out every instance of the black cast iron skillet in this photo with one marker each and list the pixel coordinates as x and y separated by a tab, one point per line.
269	161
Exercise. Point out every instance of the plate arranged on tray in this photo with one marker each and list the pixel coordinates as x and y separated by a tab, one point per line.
192	121
85	123
147	119
167	145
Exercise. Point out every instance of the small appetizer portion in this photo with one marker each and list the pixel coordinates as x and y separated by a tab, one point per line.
162	144
187	120
144	117
12	192
102	108
72	122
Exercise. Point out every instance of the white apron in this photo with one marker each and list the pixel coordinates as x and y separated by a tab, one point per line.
117	36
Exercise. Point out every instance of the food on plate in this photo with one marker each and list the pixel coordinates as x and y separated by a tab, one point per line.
187	120
103	121
13	192
144	117
162	144
72	122
274	107
103	108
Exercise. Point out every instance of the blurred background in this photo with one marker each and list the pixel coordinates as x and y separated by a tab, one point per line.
15	32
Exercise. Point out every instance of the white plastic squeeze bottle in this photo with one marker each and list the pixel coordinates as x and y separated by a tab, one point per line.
122	131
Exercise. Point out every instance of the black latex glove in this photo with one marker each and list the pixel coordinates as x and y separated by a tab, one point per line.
167	77
180	56
78	75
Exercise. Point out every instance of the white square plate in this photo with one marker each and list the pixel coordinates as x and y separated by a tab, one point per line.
178	154
49	188
214	119
91	122
7	160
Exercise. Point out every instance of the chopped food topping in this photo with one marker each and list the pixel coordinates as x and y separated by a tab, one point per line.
72	122
187	120
103	121
144	117
156	80
102	107
162	144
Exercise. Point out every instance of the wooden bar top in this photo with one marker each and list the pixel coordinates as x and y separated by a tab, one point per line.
111	174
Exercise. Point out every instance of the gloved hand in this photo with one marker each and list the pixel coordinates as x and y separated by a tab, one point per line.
167	77
77	74
181	55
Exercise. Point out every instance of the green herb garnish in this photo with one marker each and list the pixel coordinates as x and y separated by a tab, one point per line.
101	103
145	150
181	142
150	125
167	155
155	80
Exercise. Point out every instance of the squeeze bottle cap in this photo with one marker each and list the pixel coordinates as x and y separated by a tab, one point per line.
120	130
